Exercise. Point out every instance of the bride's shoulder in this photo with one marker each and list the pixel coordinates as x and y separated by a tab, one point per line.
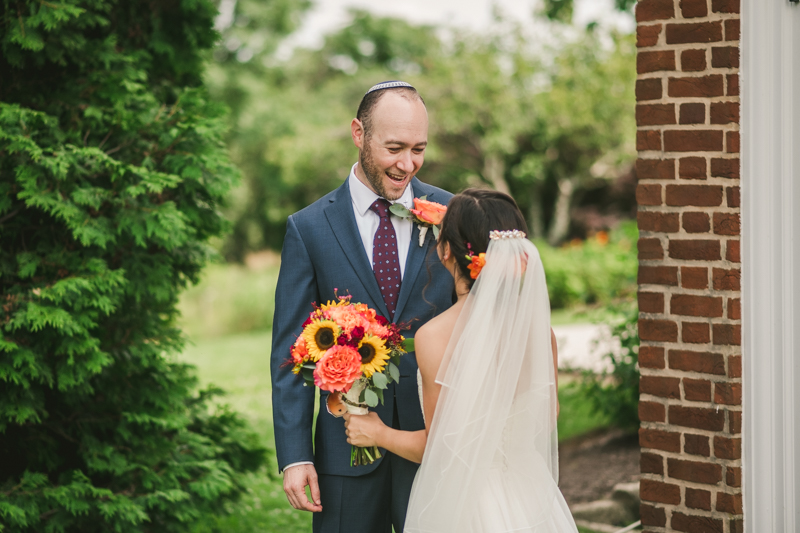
432	337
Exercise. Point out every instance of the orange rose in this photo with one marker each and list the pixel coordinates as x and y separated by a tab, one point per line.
477	262
429	212
338	369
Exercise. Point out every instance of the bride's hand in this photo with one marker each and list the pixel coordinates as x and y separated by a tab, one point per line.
363	430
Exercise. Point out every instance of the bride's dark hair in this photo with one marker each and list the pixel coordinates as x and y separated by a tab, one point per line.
470	216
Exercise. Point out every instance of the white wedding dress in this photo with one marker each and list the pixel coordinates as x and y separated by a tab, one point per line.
491	459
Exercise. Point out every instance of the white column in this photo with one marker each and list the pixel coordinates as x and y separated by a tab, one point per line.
770	130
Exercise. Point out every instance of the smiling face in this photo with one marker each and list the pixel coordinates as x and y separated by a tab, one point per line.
394	150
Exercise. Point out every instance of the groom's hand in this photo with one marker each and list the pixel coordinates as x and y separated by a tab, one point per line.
295	480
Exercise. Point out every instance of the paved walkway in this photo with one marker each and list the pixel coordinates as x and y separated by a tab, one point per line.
582	346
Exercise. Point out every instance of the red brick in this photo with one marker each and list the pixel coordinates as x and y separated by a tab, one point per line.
733	476
700	87
651	357
732	29
733	84
658	330
728	393
650	249
650	463
725	57
729	503
651	302
658	275
693	8
692	305
695	332
656	491
727	223
693	114
696	417
733	196
734	422
652	516
660	386
732	252
727	334
725	6
648	140
732	142
648	194
655	61
695	195
693	141
698	499
696	471
696	445
696	222
693	60
652	412
725	168
647	35
725	448
659	222
649	89
655	114
695	524
695	32
724	112
655	169
734	366
727	279
660	440
647	10
736	525
696	390
698	250
702	362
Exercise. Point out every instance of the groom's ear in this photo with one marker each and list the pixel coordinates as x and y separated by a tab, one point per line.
357	132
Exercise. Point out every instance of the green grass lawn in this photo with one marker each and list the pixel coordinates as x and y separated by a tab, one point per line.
240	365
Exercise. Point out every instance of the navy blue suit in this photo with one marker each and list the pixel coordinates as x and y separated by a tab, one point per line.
323	252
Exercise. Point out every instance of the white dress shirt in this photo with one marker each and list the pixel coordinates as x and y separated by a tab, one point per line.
368	221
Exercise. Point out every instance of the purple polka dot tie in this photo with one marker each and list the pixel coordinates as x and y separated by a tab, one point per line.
385	261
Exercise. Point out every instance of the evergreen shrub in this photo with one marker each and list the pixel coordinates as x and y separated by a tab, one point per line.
112	171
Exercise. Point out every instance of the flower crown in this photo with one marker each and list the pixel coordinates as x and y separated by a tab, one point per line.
478	261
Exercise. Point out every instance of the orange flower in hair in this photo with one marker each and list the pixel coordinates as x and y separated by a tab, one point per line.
476	264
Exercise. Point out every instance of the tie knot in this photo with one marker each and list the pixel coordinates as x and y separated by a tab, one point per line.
381	207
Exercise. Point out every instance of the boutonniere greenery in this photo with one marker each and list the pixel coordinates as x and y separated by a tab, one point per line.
425	214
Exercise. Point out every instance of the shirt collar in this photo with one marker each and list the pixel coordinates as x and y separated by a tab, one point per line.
363	197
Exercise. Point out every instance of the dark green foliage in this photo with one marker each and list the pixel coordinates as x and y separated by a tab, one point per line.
615	394
112	171
561	10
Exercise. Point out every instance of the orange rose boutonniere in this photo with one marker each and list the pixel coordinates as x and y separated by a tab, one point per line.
426	214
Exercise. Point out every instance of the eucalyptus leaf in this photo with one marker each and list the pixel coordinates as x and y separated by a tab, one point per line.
394	372
436	232
380	380
370	397
400	210
379	392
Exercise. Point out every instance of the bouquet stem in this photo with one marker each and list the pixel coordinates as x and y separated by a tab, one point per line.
359	456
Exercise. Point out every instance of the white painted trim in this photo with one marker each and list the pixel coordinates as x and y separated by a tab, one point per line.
770	134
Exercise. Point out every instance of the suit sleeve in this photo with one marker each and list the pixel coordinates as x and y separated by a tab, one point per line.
292	403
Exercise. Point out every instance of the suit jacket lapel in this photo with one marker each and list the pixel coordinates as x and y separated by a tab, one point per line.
343	223
416	253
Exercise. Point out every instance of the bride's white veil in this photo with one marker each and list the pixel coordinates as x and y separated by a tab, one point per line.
493	438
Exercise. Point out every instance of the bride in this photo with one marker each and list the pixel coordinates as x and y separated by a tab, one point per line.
487	373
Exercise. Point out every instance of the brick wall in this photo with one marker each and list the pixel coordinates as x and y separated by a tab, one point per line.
687	113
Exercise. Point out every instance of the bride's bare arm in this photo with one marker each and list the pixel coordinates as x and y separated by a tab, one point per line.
369	430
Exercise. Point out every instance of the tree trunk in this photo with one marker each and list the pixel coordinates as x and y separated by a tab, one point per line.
493	171
561	219
535	213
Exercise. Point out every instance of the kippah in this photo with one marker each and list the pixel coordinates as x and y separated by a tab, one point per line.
388	85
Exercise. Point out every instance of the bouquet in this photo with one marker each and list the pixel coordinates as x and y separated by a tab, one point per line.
349	350
426	214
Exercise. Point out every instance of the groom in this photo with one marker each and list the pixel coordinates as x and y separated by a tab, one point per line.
348	240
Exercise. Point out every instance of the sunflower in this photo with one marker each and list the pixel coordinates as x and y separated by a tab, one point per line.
319	337
374	355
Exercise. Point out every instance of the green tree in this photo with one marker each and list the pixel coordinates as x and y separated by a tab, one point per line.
112	173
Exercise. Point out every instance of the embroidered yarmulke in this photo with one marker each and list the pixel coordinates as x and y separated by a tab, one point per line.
388	85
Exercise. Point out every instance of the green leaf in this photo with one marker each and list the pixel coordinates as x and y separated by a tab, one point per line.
400	210
370	397
408	344
380	380
394	372
436	232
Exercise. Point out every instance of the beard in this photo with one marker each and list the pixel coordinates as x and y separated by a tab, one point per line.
374	174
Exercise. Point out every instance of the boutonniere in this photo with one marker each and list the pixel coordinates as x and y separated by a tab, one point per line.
425	214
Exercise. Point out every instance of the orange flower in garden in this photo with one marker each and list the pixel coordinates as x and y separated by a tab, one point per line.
338	369
602	237
429	212
476	264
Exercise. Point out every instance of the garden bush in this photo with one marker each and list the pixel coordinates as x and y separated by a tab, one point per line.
112	171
